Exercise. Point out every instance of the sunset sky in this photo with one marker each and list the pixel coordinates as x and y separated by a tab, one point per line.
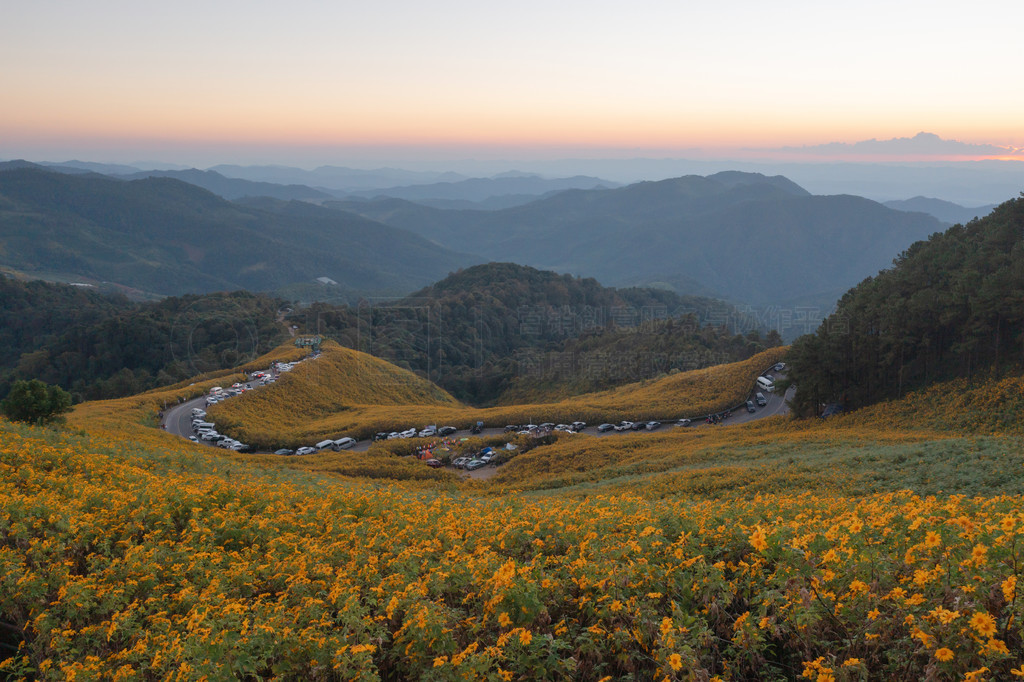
308	82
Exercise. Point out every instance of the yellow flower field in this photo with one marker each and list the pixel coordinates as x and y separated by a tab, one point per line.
135	565
776	550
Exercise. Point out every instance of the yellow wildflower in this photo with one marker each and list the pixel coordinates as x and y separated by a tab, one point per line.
983	624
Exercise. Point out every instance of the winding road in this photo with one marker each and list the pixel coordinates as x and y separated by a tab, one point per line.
178	419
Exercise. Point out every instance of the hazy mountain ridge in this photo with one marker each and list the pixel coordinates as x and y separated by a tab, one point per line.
481	189
234	188
946	211
336	178
751	238
169	237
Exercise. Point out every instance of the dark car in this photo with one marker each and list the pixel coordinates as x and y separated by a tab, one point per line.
636	426
605	427
750	406
434	463
382	435
578	426
284	451
446	430
511	427
761	400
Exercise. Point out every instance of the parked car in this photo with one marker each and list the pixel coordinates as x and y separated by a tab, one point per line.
636	426
434	463
475	464
651	425
683	422
750	406
578	426
408	433
780	366
761	400
382	435
623	426
446	430
344	443
284	452
460	462
193	439
510	428
305	450
428	431
605	427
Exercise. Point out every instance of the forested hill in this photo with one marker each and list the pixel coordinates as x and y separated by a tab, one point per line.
99	346
478	330
475	333
950	306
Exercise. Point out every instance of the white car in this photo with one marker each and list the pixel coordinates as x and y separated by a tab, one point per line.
305	450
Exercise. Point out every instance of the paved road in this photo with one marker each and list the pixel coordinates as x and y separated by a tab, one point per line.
178	420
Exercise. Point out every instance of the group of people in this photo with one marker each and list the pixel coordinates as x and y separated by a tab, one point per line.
718	418
427	451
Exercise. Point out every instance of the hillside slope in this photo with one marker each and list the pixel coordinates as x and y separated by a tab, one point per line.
950	306
168	237
341	381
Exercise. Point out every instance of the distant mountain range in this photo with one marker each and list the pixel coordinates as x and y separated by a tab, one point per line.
165	236
337	178
946	211
235	188
504	191
745	237
749	237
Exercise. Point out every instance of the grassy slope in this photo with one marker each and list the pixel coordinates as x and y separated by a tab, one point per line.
957	437
349	393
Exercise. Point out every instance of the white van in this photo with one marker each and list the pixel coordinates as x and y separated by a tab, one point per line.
344	443
324	444
765	384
